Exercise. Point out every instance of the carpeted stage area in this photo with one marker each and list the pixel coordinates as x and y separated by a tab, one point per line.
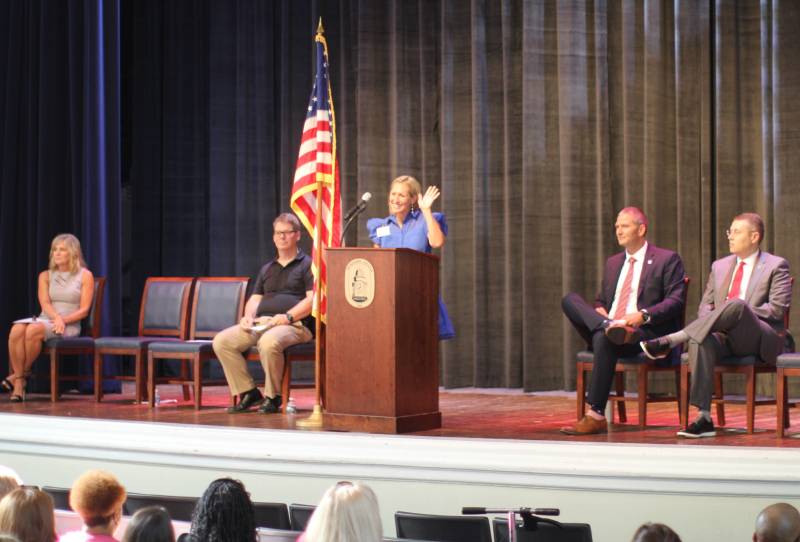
497	448
471	413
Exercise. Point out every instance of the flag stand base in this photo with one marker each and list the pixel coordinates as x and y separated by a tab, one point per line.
312	422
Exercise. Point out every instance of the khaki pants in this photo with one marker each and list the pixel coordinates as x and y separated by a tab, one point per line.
229	345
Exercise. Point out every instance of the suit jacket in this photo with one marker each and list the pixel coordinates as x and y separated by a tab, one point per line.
661	288
769	294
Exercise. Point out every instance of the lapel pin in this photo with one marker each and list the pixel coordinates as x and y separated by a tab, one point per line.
649	262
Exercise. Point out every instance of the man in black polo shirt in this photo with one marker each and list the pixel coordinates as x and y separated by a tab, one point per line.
273	320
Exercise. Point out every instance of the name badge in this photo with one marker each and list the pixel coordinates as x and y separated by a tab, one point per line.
383	231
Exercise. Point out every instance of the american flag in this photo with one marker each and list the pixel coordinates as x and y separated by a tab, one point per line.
316	163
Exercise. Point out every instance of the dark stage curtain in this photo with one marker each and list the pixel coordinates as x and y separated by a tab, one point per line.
538	119
59	147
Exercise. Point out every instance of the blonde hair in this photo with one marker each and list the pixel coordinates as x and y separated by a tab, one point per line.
348	512
28	514
414	188
97	496
73	246
9	481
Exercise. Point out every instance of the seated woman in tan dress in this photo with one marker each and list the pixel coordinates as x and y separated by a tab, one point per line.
66	289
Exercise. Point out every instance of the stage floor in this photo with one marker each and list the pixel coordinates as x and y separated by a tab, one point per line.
467	413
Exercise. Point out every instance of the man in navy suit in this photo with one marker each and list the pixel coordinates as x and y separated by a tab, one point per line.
741	314
641	297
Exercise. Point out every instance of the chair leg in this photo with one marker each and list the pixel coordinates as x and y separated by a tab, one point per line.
151	380
678	392
185	376
286	385
138	362
780	401
197	370
750	403
641	389
98	376
580	391
684	395
719	391
54	373
619	379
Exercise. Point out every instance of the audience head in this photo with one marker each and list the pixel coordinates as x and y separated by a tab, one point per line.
9	481
348	512
97	497
73	248
631	228
27	513
779	522
224	513
150	524
655	532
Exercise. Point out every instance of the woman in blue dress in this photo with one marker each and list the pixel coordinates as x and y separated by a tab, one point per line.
412	224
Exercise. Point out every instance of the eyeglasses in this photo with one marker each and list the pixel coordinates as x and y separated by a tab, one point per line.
729	232
283	234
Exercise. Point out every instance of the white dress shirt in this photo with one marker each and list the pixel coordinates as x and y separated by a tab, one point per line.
747	272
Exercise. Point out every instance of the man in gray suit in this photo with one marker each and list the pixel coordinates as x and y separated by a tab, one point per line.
741	314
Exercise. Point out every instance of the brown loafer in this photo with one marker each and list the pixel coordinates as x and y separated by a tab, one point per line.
622	334
587	426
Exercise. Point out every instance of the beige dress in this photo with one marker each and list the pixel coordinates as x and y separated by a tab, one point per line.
65	295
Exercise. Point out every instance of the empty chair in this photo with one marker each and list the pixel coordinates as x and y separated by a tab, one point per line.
218	303
443	528
179	508
60	497
162	316
299	514
545	532
73	346
274	515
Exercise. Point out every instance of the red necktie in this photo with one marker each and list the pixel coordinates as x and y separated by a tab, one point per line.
625	292
736	285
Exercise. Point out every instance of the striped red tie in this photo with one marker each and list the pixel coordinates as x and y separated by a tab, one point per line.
625	293
736	285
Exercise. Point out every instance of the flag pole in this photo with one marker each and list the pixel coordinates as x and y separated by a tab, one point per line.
315	420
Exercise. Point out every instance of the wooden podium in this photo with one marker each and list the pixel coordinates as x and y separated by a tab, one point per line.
382	341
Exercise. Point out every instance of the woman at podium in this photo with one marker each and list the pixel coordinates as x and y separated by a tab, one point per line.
412	224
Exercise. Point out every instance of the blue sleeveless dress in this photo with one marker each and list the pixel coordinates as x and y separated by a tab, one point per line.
414	235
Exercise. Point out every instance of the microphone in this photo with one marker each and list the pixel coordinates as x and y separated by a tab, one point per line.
472	510
358	208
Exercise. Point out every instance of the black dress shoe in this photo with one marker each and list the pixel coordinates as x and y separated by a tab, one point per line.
271	405
656	348
247	400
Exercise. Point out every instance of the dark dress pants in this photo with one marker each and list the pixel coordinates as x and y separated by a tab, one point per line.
589	324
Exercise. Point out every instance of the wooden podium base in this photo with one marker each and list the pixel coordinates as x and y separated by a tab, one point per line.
383	424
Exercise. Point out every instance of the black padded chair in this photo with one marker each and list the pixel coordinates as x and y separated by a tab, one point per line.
749	366
545	532
443	528
274	515
297	352
76	346
162	316
218	303
787	365
60	497
299	514
643	366
179	508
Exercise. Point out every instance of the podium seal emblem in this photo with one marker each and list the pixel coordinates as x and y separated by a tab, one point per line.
359	283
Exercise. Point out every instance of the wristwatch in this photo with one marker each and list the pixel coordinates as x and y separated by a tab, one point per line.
645	315
289	317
